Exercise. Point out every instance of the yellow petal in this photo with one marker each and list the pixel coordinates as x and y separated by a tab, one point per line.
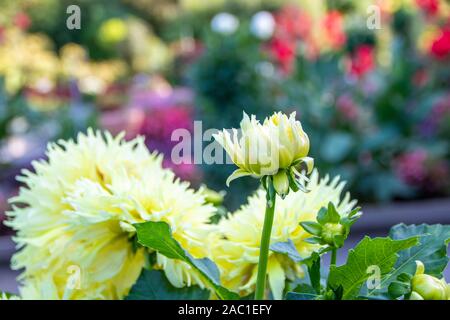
276	278
237	174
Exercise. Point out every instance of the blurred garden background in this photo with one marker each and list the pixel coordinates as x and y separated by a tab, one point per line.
369	80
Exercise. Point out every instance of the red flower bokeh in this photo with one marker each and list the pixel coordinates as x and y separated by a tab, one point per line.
362	60
22	20
429	7
292	22
333	25
440	48
283	51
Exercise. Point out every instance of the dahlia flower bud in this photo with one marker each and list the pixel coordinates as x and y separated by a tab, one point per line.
265	149
426	287
281	183
331	230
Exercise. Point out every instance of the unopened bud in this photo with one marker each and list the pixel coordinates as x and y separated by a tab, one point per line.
426	286
281	183
330	230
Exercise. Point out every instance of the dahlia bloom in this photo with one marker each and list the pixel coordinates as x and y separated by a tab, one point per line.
426	287
74	219
265	148
236	246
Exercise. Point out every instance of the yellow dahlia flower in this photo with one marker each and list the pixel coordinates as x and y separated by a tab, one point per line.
236	248
426	287
264	149
74	223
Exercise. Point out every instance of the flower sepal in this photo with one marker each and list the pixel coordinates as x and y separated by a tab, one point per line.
331	227
267	183
281	183
304	164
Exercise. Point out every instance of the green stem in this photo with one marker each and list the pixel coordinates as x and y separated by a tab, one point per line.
264	252
332	263
333	257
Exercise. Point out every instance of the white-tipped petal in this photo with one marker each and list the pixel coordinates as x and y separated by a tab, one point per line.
239	173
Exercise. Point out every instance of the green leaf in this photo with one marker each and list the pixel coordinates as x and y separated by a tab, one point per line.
379	297
304	288
398	289
339	241
381	252
431	250
158	236
329	214
314	240
348	220
338	292
312	227
310	260
405	277
314	271
301	296
287	248
153	285
322	216
8	296
333	215
355	213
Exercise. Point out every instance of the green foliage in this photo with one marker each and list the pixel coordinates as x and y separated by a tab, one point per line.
301	296
158	236
393	256
314	272
153	285
8	295
286	248
332	227
401	286
381	252
431	250
227	81
49	17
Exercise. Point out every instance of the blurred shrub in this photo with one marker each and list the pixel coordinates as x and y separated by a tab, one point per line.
374	102
231	77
